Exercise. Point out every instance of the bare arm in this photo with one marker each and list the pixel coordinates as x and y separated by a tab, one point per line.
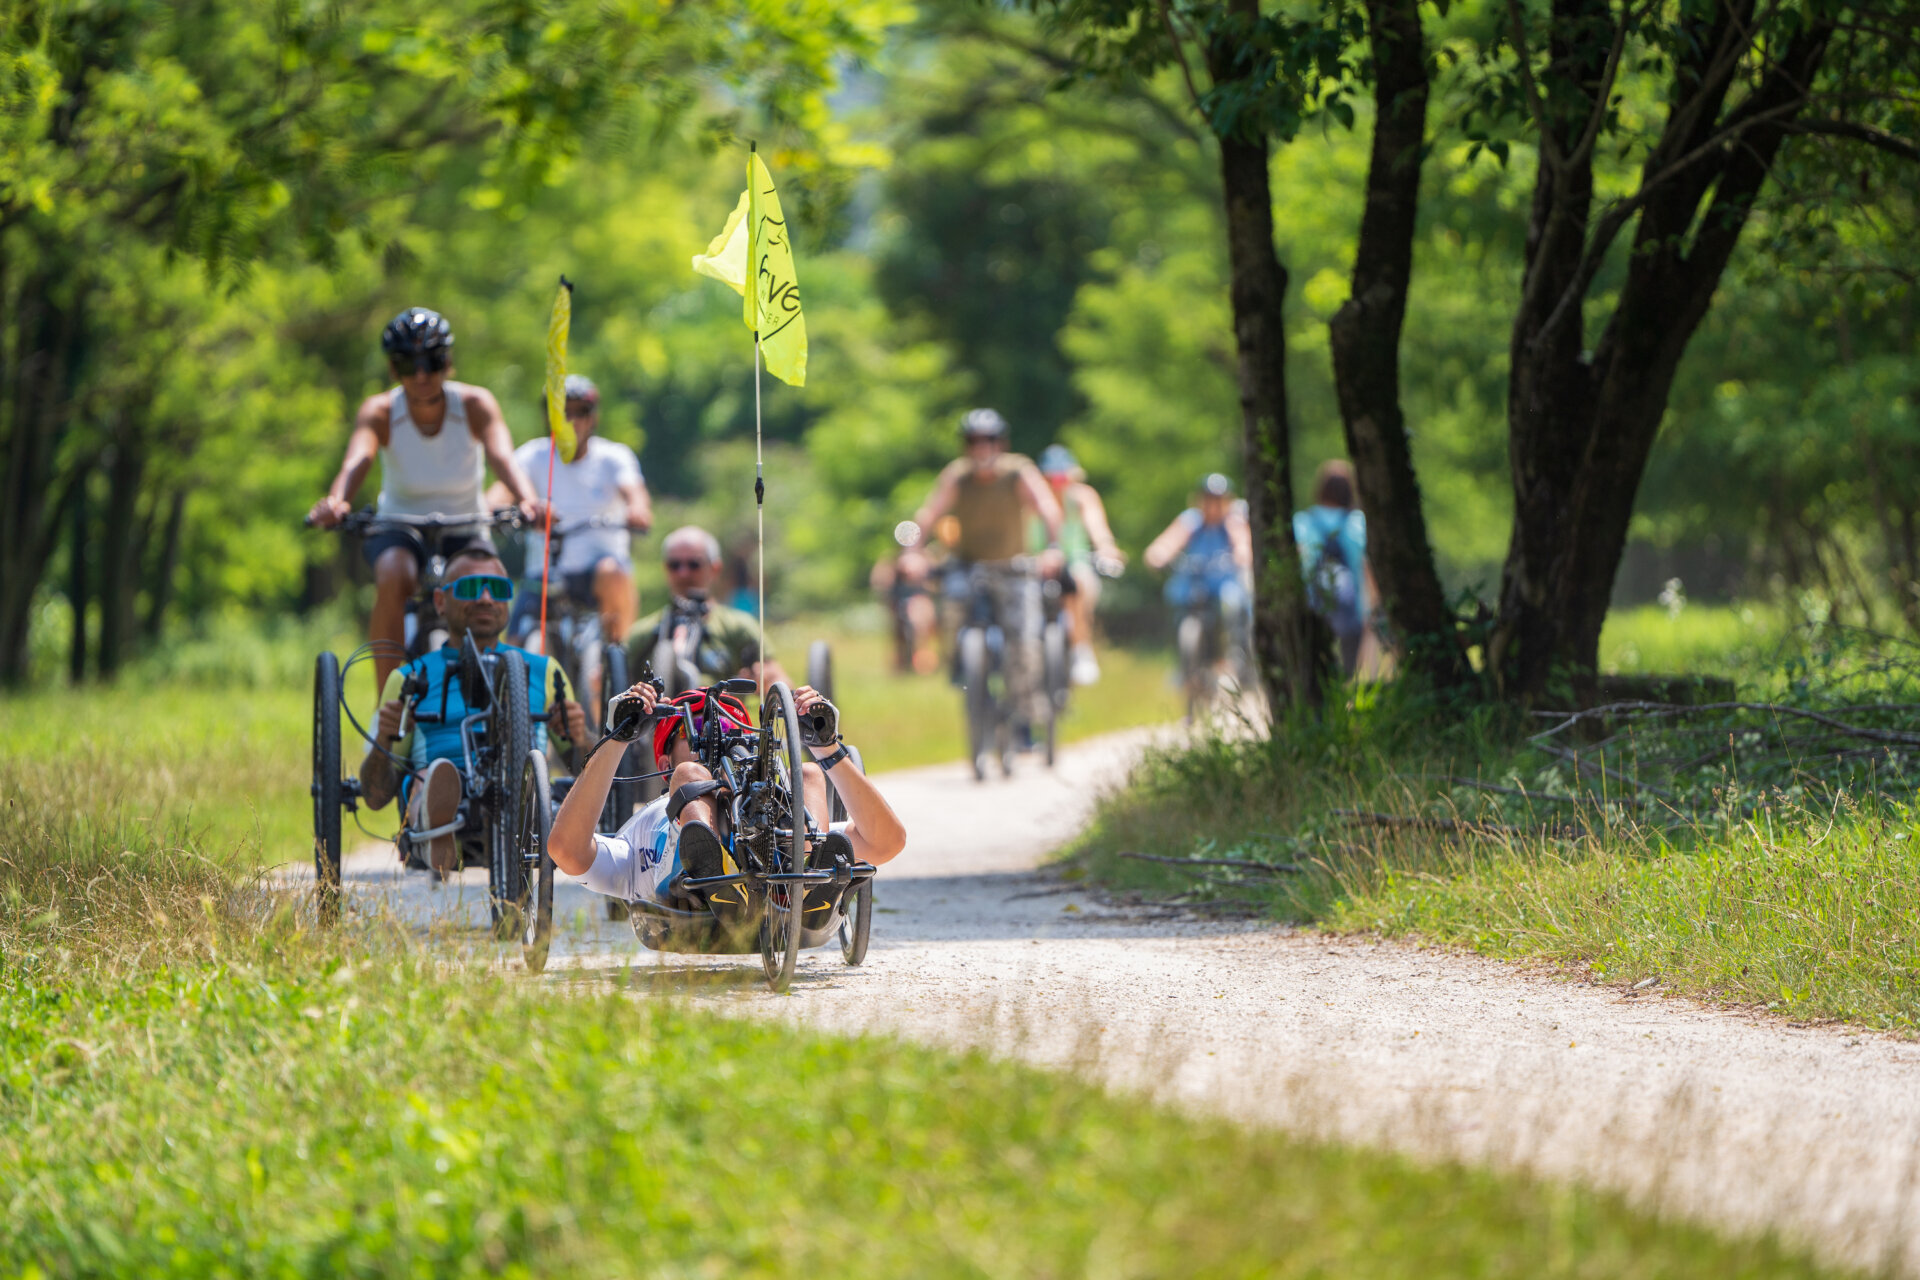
1171	542
1037	497
639	505
940	501
363	446
570	843
489	427
874	828
1093	514
1240	534
379	780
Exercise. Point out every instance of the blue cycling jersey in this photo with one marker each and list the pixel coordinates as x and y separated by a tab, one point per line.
435	731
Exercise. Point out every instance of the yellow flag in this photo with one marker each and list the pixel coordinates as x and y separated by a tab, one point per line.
772	304
558	427
726	258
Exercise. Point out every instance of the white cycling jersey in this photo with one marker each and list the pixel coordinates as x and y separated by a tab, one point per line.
438	474
586	487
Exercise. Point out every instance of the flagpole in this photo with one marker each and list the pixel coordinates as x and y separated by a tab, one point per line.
760	535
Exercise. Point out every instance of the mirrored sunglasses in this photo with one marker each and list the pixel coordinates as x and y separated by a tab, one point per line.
470	587
431	362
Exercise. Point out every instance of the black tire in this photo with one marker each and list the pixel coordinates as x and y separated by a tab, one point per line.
1191	641
977	691
1053	654
327	787
510	740
780	753
534	826
624	797
856	920
820	668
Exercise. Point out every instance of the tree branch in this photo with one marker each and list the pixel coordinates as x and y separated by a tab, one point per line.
1879	139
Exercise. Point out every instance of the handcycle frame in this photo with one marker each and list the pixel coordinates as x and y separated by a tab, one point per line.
760	771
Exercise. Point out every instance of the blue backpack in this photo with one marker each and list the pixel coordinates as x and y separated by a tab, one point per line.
1333	585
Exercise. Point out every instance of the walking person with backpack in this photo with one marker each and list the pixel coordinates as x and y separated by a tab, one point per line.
1332	537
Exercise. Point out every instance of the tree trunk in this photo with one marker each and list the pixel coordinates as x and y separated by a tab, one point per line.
1365	340
1290	644
160	595
119	554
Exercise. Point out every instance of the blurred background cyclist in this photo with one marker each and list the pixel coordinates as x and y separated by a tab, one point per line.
1332	537
1210	547
1087	551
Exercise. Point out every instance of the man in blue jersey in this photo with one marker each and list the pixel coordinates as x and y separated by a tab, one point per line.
474	601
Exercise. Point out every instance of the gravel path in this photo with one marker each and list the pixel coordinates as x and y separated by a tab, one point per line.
1701	1112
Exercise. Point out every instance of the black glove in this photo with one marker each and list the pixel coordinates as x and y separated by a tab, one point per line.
820	724
626	716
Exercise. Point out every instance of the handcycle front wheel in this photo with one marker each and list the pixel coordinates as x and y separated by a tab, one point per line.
327	787
510	730
535	825
780	753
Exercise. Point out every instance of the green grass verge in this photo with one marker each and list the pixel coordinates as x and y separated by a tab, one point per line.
290	1111
1791	882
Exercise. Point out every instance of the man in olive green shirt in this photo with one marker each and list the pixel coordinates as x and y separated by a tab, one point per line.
718	642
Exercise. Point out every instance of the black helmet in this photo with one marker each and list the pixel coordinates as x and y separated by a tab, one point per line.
983	422
418	333
1215	485
580	387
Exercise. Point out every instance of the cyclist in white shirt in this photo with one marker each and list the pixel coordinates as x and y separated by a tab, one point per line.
604	481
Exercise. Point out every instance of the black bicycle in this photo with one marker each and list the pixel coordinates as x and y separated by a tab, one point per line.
980	670
785	903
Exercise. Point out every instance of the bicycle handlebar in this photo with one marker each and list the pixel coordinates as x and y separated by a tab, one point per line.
366	520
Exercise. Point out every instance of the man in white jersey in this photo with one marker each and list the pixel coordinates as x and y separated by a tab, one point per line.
602	484
434	438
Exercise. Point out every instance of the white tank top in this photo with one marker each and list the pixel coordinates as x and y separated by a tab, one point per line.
422	475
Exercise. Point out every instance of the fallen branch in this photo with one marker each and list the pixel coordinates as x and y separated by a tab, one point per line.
1665	710
1365	817
1276	867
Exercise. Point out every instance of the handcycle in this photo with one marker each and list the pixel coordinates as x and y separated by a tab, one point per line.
506	807
979	654
769	835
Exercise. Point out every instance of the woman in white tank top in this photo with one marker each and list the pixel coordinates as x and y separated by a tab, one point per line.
422	474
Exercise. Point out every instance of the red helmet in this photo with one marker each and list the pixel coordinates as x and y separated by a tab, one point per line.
702	704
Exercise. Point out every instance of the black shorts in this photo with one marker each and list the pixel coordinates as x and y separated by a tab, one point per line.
445	543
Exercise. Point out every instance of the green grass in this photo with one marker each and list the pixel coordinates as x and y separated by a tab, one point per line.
300	1108
1782	874
1720	640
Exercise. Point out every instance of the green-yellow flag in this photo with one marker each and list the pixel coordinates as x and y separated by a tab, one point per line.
756	233
558	427
772	307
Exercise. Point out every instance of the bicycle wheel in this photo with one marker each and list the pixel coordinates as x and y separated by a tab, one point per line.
509	742
978	693
1053	655
820	668
1191	640
534	825
779	763
327	787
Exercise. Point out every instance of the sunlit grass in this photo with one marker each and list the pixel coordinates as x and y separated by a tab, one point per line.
1742	641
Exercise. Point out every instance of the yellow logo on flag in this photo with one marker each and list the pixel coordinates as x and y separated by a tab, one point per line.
754	244
558	428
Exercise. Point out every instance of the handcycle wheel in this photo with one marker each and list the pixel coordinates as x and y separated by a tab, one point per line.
780	753
975	689
327	787
624	797
856	918
1053	655
535	824
510	739
820	668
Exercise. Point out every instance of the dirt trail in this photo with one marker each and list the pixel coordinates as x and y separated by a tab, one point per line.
1701	1112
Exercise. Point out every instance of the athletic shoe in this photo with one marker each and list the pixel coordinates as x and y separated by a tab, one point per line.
702	856
831	848
439	805
1086	668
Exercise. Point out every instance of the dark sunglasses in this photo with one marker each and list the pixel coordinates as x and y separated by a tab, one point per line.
685	566
974	440
470	587
407	366
580	410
